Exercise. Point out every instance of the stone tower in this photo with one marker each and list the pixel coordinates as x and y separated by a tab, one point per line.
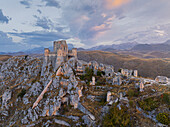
60	54
61	48
46	55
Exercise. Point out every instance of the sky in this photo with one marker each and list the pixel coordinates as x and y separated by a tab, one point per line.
27	24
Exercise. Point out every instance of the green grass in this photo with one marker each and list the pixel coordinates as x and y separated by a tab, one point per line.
117	118
149	104
163	118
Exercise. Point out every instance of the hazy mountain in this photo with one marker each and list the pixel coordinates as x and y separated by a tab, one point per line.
1	53
123	46
13	53
152	47
80	49
167	42
100	47
40	50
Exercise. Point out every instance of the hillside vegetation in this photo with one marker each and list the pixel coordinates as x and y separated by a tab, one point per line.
4	57
146	67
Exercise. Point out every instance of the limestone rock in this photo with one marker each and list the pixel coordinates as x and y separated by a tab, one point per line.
5	97
74	99
108	96
61	122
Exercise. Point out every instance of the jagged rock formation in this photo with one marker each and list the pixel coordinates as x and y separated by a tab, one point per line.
40	92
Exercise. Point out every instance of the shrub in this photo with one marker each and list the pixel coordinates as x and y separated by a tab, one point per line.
26	57
148	104
22	93
119	70
99	73
116	117
163	118
103	73
131	103
88	75
34	81
100	81
133	93
103	100
21	68
166	98
45	96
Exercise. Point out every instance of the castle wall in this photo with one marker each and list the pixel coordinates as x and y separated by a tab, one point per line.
46	55
60	53
46	52
73	53
52	58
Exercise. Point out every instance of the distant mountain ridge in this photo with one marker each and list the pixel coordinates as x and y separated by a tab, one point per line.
38	50
153	47
123	46
129	46
167	42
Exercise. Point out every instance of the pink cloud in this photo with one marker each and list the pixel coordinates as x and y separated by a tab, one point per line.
110	4
98	28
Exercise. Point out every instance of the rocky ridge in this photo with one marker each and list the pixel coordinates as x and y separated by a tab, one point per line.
22	82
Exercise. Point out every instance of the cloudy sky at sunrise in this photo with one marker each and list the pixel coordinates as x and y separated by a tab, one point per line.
26	24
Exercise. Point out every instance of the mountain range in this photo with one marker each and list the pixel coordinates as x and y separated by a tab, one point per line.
153	47
129	46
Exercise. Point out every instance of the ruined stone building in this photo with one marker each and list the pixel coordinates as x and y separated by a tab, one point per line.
161	79
127	72
59	54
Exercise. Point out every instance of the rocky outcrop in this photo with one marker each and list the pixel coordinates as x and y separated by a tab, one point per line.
61	122
5	98
41	95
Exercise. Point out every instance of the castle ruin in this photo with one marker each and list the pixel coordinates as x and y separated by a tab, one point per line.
60	53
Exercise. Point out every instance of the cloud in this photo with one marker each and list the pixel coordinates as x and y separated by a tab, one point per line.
26	3
43	22
7	44
48	24
156	34
160	32
3	19
4	39
39	11
87	19
100	27
110	4
40	37
90	21
52	3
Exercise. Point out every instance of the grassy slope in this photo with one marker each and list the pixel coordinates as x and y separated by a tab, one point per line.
146	67
148	54
4	57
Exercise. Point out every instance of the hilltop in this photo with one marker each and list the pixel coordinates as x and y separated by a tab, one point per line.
4	57
34	94
147	67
